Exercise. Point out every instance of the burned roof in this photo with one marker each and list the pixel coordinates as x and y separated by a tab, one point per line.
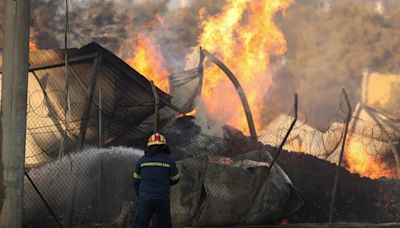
127	101
126	98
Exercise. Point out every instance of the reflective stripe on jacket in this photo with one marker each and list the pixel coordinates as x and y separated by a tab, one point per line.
154	176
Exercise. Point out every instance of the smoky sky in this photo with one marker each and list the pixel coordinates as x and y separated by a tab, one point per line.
329	50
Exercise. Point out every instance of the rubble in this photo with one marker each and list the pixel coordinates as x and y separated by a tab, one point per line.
359	199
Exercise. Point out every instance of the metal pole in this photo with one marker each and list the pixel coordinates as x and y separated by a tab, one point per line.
100	118
259	185
332	205
43	199
98	209
279	149
239	90
156	107
13	106
99	160
64	148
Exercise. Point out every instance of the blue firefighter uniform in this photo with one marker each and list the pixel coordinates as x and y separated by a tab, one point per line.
154	174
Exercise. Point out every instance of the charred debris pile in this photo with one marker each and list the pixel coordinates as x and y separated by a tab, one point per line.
359	199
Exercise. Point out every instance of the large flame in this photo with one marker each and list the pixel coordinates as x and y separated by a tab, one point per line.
244	36
148	61
359	160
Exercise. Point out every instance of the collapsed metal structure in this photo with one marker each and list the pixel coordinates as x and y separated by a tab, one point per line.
127	101
126	108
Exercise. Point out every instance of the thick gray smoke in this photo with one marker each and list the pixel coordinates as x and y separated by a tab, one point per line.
116	24
328	49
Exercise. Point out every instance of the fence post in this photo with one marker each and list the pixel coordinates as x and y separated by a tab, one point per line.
278	150
332	205
43	199
98	210
99	160
100	119
13	105
156	107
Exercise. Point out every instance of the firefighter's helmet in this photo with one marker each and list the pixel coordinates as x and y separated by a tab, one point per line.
156	139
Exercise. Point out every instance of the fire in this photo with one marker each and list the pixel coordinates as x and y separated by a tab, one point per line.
244	37
360	161
32	45
148	61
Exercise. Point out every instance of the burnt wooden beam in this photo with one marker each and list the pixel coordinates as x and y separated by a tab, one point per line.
89	99
239	90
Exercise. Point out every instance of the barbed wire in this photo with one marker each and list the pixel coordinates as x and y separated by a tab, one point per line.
44	139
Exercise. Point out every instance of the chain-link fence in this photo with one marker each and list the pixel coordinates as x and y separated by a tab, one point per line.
368	149
71	184
224	178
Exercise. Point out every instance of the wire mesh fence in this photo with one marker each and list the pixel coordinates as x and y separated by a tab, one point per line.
368	147
84	185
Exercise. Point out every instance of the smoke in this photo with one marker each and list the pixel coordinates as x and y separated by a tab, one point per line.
179	31
329	50
62	180
208	125
115	24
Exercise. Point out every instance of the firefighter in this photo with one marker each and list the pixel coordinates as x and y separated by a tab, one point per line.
154	174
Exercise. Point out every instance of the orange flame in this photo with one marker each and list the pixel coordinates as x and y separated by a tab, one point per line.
32	45
359	160
148	61
244	36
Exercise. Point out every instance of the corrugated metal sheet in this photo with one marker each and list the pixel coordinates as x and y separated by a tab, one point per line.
126	98
127	101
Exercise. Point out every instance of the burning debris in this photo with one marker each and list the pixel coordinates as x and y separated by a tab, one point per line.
371	148
359	199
